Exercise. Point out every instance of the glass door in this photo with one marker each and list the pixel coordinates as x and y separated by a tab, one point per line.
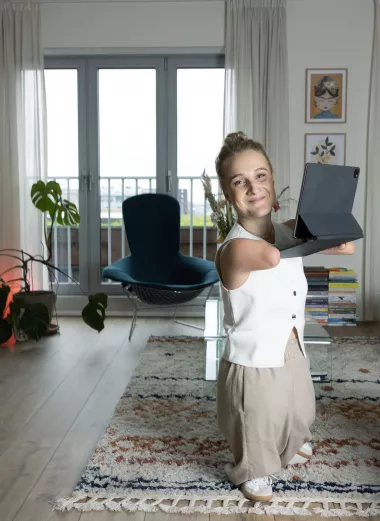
67	164
122	126
196	103
127	150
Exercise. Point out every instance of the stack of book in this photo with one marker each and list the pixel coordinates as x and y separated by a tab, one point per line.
317	300
342	297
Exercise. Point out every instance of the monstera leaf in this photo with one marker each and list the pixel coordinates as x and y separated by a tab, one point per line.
34	321
46	197
67	213
94	313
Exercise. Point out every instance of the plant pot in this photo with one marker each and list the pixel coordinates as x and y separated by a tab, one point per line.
22	300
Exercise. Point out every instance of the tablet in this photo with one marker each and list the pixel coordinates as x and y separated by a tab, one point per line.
324	215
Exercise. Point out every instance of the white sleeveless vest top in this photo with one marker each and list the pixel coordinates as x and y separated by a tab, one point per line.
260	315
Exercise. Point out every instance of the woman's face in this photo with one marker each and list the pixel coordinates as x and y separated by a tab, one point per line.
249	185
325	102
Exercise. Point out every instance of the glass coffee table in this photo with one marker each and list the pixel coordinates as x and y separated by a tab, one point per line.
319	344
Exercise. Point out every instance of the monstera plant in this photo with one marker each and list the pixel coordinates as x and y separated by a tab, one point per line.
28	312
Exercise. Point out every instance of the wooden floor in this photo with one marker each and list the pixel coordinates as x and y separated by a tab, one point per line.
361	329
56	398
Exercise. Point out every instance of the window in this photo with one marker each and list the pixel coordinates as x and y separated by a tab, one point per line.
124	126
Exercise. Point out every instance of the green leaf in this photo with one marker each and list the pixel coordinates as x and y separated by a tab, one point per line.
333	148
327	140
67	214
324	148
322	154
94	313
329	144
313	153
317	149
332	153
35	320
45	197
4	293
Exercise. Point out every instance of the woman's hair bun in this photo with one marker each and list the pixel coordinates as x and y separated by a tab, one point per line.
235	143
234	138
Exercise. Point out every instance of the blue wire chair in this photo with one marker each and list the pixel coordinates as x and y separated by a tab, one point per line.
156	273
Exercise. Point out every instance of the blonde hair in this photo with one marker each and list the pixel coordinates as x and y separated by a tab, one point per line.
233	144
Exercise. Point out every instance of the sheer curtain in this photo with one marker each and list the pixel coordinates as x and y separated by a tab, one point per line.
372	235
256	84
22	130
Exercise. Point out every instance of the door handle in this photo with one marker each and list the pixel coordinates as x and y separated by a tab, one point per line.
90	181
169	181
83	180
86	180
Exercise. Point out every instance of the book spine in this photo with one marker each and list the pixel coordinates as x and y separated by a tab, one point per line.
342	271
344	299
335	318
342	291
340	312
342	285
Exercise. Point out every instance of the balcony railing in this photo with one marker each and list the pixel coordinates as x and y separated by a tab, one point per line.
198	236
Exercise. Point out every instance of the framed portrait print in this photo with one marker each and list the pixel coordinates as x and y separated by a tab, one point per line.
326	95
327	149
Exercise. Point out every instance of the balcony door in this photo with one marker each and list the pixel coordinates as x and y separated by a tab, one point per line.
196	91
123	126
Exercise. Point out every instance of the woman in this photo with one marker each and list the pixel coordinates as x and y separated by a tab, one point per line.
266	402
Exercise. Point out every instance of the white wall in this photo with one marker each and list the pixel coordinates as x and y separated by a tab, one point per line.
328	34
139	25
323	34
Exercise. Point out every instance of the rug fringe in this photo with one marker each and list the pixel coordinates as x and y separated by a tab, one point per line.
222	506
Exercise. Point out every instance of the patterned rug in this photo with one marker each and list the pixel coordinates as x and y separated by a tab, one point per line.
162	448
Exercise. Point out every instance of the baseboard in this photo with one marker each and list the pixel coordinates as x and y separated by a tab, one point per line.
121	307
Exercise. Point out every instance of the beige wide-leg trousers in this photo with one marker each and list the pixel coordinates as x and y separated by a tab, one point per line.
265	414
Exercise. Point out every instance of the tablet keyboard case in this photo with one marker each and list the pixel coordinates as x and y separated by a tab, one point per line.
321	224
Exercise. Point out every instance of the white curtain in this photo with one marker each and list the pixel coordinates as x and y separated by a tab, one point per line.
372	229
22	130
256	84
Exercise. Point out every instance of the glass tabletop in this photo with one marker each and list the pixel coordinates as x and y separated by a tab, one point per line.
318	343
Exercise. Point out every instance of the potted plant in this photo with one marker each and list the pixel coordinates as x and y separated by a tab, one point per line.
30	311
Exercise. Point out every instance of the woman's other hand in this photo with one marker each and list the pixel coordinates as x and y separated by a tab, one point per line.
347	248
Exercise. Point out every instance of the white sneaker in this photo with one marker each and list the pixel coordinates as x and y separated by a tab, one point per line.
306	451
303	455
259	489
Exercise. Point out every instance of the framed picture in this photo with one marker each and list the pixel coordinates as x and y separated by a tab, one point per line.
326	95
328	149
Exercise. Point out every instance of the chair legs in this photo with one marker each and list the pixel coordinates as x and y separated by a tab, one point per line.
137	308
187	323
135	311
133	325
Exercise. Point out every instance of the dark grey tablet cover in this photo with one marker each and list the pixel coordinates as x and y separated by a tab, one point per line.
324	214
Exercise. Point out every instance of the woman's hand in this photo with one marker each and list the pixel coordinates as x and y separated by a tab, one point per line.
347	248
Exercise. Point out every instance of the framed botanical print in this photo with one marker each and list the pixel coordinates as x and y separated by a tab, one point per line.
327	149
326	96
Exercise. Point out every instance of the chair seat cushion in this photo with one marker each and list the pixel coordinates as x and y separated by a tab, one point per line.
183	273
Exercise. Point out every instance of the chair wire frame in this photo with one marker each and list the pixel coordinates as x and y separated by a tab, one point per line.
164	298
